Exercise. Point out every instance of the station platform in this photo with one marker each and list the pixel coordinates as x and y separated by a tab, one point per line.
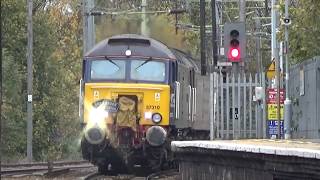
301	148
249	159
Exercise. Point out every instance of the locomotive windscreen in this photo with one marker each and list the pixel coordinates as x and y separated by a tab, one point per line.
148	70
142	70
108	69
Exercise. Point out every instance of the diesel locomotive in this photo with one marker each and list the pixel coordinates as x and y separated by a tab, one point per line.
136	96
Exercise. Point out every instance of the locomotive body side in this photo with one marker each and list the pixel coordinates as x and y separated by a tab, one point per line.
193	122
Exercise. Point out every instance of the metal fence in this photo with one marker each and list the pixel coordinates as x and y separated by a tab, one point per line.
304	92
238	114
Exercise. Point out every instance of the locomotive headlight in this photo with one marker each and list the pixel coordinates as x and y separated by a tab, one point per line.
97	115
95	131
128	52
156	118
148	115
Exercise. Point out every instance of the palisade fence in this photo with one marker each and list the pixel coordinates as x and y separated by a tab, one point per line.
238	114
304	93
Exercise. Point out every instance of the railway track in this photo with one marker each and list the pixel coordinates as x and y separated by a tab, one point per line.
97	176
163	175
57	163
42	168
73	170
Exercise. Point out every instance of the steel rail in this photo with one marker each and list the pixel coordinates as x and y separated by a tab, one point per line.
29	168
56	163
90	176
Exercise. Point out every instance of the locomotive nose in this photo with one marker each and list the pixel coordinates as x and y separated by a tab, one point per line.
95	135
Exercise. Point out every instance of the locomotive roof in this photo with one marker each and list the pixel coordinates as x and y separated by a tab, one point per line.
117	45
185	59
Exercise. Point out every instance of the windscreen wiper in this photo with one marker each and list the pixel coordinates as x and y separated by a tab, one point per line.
106	57
145	62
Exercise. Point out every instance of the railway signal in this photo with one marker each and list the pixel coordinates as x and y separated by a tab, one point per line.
235	41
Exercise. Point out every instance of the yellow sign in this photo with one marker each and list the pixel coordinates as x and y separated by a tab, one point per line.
272	111
271	70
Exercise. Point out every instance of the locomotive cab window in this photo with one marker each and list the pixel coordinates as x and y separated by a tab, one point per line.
128	70
107	69
147	70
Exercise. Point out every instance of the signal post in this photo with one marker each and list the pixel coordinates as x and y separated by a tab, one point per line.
235	52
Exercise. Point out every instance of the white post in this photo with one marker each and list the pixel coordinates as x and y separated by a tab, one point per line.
287	102
275	56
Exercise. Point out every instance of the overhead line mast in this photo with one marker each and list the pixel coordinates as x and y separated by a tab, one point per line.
213	65
202	38
144	24
29	83
88	25
287	102
275	57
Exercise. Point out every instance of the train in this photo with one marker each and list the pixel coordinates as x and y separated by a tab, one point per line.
136	96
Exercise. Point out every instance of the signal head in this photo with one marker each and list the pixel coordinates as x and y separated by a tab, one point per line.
234	33
235	41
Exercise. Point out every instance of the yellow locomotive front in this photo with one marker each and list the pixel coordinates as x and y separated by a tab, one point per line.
136	105
125	105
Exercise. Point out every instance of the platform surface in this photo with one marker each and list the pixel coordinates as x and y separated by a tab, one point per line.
306	148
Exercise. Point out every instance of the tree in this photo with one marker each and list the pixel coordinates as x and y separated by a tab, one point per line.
67	72
304	42
57	60
13	24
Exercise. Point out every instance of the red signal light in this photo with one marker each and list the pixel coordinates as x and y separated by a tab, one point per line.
234	54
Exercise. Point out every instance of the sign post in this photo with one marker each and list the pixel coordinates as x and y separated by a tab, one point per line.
273	111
